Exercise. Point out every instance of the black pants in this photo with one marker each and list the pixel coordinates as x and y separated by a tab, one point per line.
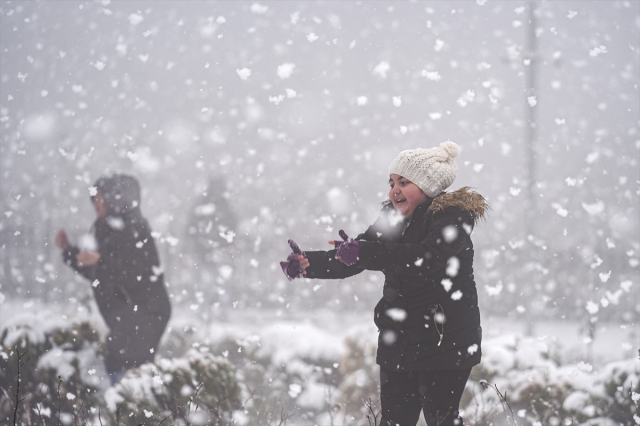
437	393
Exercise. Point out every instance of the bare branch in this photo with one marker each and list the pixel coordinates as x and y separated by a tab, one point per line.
372	416
504	400
18	400
442	418
76	415
191	401
164	419
118	411
284	416
60	398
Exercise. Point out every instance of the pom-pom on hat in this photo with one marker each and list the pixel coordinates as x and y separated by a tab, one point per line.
433	170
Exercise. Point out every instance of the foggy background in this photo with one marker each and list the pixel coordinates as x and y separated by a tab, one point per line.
294	110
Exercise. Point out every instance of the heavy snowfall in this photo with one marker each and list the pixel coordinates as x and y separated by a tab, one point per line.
250	123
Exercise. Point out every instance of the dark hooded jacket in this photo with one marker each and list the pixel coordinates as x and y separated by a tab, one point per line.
127	281
428	317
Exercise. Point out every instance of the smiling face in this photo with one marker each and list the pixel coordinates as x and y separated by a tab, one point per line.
405	195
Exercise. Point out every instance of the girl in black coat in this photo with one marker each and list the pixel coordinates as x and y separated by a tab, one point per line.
125	274
428	316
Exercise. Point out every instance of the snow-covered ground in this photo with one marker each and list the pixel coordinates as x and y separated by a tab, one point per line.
290	330
323	358
611	341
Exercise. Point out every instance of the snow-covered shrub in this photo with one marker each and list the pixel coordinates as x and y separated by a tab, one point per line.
514	352
58	374
360	376
198	388
293	368
539	391
281	376
621	381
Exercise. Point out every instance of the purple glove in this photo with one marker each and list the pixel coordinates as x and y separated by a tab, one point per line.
348	250
291	267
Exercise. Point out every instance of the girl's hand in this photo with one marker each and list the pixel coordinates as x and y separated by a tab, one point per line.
62	240
296	264
87	258
338	243
348	249
304	263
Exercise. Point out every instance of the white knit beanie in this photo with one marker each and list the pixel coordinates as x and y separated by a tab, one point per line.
432	170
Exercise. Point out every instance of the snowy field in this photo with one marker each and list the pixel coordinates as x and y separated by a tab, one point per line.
317	368
611	342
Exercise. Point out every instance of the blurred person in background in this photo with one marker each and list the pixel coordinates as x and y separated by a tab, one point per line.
210	230
428	317
125	274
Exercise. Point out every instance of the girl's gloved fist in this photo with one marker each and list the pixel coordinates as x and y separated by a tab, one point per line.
348	250
293	267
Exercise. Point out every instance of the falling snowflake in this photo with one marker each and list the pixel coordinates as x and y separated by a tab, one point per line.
397	314
604	276
592	307
135	18
597	51
447	284
244	73
595	208
285	70
259	9
382	69
431	75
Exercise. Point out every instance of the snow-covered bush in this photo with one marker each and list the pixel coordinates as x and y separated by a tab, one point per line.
198	388
360	378
57	370
517	374
621	382
292	369
282	376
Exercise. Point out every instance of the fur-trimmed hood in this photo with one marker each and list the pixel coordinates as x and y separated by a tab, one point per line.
465	199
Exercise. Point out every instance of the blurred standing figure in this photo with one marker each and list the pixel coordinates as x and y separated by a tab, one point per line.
210	231
125	273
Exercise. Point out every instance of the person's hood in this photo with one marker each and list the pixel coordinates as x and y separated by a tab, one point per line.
121	193
465	199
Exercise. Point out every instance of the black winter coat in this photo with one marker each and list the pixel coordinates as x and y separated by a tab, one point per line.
127	281
428	317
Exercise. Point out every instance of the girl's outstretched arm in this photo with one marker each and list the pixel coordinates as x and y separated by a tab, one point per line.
316	264
324	264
